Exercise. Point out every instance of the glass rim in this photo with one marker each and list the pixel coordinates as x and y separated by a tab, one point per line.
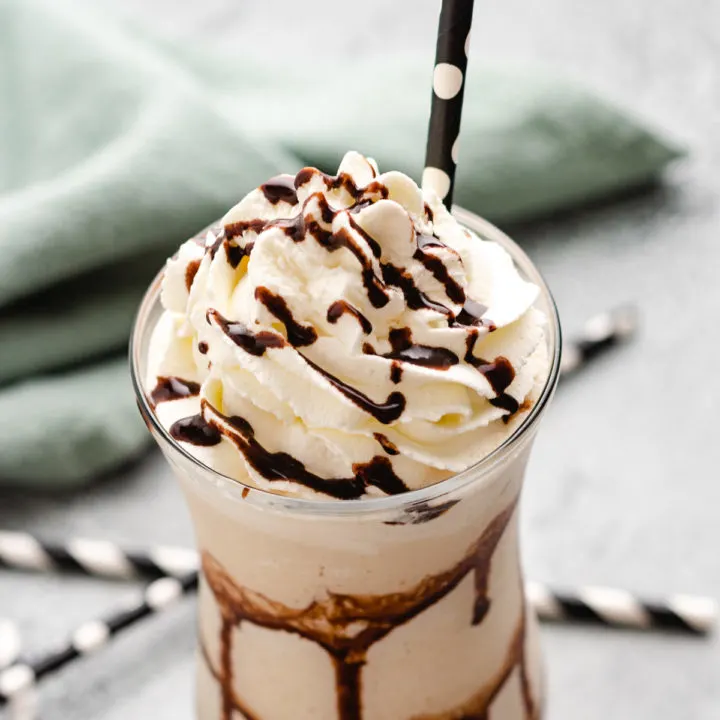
364	506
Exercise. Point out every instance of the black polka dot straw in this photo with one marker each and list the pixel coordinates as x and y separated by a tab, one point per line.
447	97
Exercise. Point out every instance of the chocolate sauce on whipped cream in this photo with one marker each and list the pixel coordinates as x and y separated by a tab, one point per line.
414	297
255	343
380	279
342	180
190	273
472	315
196	431
347	626
499	373
389	447
342	307
235	229
280	189
384	412
404	349
437	267
275	466
298	335
173	388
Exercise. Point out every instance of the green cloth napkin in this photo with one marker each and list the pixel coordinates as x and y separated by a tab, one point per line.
115	147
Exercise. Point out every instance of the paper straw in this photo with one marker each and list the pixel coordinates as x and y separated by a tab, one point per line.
614	608
600	333
447	97
22	551
19	680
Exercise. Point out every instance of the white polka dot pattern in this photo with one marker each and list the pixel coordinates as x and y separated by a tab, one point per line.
454	150
436	179
447	81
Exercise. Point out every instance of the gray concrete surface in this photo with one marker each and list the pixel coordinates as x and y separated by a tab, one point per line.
624	487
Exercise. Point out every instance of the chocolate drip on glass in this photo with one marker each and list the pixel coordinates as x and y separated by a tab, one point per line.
332	623
422	513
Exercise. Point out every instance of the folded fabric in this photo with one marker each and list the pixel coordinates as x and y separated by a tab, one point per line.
115	147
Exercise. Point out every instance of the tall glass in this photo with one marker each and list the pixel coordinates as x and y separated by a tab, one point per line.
398	608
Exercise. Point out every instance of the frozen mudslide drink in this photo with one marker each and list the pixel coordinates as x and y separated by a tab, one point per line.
347	381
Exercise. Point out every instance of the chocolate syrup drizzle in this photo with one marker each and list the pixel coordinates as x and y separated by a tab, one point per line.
414	297
386	412
396	372
499	373
389	447
196	431
403	348
298	335
471	315
280	189
275	466
191	272
437	267
341	307
255	343
342	180
347	626
173	388
235	229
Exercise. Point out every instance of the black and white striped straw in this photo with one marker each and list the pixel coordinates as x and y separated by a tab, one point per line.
9	643
18	681
615	608
100	558
600	333
451	58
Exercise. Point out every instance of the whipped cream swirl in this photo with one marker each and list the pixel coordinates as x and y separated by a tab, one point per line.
343	336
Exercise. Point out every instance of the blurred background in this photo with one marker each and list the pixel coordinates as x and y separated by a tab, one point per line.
623	486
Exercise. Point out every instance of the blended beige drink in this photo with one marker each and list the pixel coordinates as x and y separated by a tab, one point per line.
347	381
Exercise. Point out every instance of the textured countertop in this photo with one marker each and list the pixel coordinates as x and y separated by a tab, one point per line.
623	488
